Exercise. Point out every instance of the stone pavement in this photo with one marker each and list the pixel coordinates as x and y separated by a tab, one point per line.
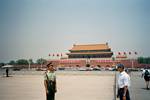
138	90
85	86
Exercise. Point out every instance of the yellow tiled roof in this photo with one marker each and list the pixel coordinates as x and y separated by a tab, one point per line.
90	47
90	53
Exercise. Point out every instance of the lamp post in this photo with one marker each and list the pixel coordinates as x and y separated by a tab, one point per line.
115	78
132	63
29	64
41	63
133	58
113	59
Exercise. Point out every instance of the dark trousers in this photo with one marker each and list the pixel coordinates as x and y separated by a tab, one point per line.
121	92
51	90
50	96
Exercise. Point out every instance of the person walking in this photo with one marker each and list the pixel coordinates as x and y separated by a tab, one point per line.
50	82
146	74
123	83
7	72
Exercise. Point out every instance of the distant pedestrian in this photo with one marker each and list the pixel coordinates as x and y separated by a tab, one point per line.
50	82
123	83
7	72
128	71
146	74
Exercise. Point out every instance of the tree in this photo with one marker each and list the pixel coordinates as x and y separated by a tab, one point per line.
148	60
2	64
41	61
12	62
22	62
144	60
113	58
140	60
31	61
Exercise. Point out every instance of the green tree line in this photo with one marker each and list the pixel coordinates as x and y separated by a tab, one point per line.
144	60
25	62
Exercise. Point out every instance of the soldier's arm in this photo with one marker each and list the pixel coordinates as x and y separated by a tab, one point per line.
45	84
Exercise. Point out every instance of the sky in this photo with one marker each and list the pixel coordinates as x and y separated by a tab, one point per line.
36	28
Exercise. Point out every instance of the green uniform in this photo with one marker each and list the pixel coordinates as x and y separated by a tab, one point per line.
50	77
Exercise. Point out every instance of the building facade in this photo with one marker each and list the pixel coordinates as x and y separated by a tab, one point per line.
90	51
89	54
94	55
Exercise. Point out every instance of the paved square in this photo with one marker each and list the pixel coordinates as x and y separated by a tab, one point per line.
70	87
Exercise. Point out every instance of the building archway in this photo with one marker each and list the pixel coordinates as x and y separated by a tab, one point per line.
99	66
88	65
107	65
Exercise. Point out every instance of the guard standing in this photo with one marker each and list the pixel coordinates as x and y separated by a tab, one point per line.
50	82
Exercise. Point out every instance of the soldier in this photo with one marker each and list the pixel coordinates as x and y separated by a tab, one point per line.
50	82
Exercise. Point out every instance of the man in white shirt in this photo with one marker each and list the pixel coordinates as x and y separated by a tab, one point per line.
123	83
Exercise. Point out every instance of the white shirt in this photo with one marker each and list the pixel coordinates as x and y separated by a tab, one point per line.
123	80
145	70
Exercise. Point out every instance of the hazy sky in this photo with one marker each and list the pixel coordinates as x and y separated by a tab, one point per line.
35	28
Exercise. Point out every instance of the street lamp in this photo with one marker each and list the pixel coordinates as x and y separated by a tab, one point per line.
29	64
41	63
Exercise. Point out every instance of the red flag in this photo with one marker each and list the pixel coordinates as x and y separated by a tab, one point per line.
124	53
135	53
57	55
129	53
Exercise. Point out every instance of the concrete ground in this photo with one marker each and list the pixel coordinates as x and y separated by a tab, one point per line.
138	88
76	86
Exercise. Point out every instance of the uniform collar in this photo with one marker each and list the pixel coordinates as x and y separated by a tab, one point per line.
49	71
122	72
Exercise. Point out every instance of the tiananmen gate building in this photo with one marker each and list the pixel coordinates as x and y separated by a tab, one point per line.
90	51
92	55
